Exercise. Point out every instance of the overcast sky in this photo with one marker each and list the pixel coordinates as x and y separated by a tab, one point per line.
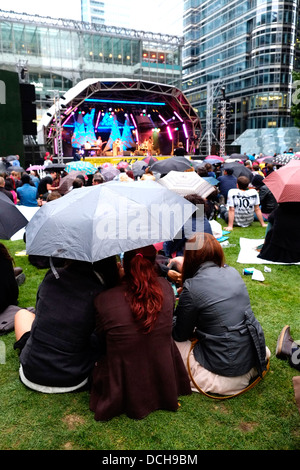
54	8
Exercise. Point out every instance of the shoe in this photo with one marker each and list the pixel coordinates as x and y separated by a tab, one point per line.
284	344
20	279
18	271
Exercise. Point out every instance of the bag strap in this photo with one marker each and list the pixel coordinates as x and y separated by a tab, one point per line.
225	397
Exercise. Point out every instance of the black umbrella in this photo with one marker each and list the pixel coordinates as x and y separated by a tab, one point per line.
173	163
239	169
55	167
11	219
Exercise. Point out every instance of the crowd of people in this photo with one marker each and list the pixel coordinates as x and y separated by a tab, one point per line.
90	319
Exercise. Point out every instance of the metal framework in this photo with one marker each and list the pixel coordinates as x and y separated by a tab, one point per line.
92	28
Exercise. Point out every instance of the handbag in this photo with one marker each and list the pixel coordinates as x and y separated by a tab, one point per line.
225	397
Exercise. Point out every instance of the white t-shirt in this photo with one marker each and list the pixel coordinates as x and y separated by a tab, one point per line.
243	203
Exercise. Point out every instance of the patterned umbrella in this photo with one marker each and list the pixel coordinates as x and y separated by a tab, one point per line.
186	182
86	167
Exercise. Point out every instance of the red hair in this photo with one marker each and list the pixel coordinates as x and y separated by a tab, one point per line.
144	291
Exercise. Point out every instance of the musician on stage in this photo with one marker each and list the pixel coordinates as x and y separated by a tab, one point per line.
117	147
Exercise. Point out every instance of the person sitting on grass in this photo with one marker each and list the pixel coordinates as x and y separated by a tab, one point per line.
142	370
57	344
230	350
242	204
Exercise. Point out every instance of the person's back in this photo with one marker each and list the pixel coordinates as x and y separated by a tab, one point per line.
243	200
9	290
142	370
27	193
61	349
226	182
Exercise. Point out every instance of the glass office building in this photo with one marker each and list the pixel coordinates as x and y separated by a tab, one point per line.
58	53
249	46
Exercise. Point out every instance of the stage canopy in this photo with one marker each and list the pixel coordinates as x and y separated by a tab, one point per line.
131	110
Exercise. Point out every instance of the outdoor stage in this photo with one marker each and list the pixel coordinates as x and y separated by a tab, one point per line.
134	112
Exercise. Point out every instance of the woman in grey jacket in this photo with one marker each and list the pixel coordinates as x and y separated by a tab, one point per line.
214	307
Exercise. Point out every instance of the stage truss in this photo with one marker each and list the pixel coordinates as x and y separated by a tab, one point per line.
168	107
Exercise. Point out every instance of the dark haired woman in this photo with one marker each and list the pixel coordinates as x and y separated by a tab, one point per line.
214	307
142	370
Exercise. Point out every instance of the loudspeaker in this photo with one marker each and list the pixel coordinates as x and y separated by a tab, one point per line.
126	153
28	106
108	153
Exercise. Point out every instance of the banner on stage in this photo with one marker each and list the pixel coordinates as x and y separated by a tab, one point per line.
97	161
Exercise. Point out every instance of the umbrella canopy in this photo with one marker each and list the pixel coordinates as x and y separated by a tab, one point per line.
211	180
110	173
11	219
170	164
67	181
96	222
86	167
16	168
55	167
285	182
266	160
35	168
187	182
122	165
214	157
239	169
284	158
239	156
107	165
138	167
213	161
150	160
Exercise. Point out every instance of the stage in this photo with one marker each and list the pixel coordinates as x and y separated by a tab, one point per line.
142	117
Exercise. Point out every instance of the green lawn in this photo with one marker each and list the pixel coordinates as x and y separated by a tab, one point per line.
265	418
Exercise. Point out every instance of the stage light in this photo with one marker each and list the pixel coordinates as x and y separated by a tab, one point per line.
180	119
162	119
170	133
185	131
124	102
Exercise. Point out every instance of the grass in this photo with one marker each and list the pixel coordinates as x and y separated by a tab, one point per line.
265	418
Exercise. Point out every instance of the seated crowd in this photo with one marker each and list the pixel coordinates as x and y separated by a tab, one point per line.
114	327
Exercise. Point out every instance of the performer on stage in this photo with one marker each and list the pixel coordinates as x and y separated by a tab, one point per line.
150	146
117	147
194	145
99	144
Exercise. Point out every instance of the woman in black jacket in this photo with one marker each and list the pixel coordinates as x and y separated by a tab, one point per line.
57	344
214	307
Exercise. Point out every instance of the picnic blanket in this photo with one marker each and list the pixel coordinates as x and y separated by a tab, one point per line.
248	252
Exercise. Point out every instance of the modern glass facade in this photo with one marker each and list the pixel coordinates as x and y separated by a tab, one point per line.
249	46
59	53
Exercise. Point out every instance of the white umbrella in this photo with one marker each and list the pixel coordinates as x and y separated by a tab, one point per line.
187	182
96	222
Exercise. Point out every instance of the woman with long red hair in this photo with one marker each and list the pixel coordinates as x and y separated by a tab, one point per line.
214	309
141	370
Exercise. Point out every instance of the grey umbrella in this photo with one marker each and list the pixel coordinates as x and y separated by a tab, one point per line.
11	219
139	167
239	169
96	222
173	163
